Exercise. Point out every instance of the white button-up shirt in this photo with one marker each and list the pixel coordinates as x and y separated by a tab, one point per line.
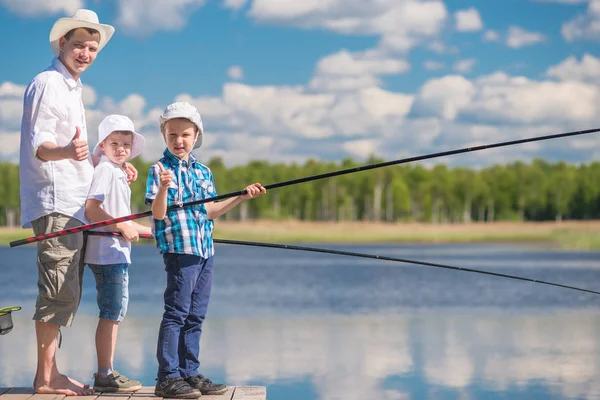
52	109
111	188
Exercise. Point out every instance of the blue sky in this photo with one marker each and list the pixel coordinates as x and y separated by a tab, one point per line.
283	80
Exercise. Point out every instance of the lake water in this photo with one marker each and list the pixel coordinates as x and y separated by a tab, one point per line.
314	326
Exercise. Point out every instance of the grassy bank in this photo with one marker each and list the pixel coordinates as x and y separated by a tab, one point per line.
565	235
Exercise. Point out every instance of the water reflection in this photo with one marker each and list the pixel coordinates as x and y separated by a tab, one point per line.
357	357
327	327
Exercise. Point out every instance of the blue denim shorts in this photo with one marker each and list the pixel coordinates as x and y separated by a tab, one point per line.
112	284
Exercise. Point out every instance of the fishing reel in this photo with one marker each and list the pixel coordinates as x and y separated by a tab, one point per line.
6	323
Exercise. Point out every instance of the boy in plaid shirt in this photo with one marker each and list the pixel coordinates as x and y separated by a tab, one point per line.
184	237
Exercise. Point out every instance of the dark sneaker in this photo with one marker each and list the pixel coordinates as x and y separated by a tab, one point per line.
115	382
176	388
205	385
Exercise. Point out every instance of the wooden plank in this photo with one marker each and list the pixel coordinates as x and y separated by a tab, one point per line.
250	393
145	391
39	396
122	396
18	393
228	395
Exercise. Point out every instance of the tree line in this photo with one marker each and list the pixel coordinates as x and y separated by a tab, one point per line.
519	191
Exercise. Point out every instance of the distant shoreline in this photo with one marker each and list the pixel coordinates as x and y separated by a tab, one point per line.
568	235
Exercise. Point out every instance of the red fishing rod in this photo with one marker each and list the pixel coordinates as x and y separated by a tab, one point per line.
296	181
363	255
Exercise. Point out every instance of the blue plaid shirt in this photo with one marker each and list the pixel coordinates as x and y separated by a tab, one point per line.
185	230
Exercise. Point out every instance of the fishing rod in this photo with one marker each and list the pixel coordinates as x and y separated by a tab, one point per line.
296	181
364	255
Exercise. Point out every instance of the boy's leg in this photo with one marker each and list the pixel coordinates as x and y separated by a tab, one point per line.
189	339
183	272
59	292
106	341
181	279
112	286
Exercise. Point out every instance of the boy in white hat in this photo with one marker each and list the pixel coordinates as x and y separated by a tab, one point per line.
55	175
184	237
109	258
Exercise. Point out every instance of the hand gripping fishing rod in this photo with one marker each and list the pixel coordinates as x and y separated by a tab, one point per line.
363	255
296	181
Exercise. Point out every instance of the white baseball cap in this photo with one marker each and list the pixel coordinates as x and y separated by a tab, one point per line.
115	122
81	19
185	110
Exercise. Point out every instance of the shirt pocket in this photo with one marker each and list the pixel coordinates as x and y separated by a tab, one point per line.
202	189
172	195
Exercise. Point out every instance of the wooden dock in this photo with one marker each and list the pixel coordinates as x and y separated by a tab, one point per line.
147	392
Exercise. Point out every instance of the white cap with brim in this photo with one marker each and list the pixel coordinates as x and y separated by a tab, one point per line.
183	110
81	19
114	123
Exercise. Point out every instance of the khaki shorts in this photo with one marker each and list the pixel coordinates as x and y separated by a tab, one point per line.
60	270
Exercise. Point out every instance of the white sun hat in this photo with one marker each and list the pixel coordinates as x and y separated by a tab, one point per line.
81	19
116	122
185	110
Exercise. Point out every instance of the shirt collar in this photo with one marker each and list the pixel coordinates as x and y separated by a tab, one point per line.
104	159
175	161
71	82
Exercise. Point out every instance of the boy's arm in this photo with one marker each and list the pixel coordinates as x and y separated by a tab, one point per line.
95	213
159	204
142	229
216	209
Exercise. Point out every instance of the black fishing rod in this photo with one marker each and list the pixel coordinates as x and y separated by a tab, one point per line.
363	255
99	224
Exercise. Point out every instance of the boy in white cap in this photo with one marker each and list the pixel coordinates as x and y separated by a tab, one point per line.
55	175
184	237
109	258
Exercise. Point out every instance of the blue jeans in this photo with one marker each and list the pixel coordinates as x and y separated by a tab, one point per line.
112	285
189	280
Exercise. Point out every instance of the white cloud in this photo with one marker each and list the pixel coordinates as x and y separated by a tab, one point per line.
562	1
144	17
502	99
433	65
351	71
441	48
36	8
361	148
468	20
402	24
464	66
235	4
443	97
499	99
519	37
584	26
588	70
491	36
89	96
11	142
235	72
11	105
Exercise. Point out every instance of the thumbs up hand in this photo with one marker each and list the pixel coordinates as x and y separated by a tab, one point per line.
78	148
166	177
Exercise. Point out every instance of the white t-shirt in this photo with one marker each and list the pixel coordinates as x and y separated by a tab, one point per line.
109	186
52	109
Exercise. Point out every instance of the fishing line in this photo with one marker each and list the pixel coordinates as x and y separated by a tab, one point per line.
371	256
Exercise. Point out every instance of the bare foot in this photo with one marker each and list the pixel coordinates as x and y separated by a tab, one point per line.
64	385
86	388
